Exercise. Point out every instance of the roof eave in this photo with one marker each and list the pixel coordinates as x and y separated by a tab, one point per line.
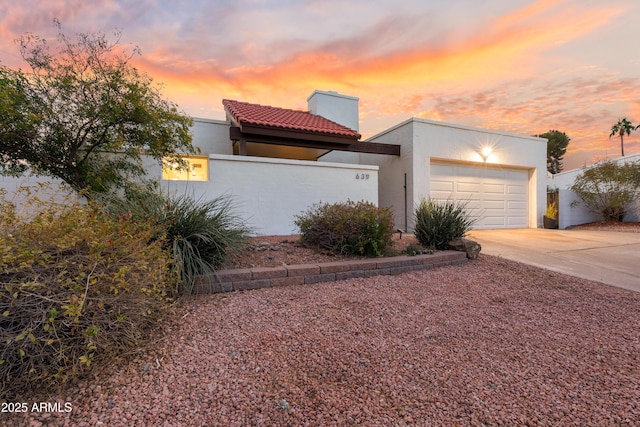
250	128
298	139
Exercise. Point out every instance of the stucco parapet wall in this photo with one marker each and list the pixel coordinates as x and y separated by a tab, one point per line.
268	277
455	126
276	161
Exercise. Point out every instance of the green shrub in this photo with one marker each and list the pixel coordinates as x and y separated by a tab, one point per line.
359	228
77	289
437	223
609	188
199	234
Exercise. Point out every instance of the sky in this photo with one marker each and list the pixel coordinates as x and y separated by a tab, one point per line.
519	66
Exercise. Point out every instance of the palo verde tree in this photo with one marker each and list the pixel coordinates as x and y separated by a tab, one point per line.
84	114
623	126
556	149
609	188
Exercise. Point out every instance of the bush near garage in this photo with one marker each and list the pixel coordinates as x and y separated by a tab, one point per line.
356	228
77	289
439	222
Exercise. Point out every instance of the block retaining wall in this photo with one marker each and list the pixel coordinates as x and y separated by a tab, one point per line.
302	274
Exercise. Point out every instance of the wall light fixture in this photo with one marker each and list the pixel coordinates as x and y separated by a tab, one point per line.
485	152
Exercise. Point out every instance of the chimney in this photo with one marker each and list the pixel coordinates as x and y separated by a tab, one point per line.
339	108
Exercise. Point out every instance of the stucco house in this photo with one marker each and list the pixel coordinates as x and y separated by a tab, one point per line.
500	176
277	162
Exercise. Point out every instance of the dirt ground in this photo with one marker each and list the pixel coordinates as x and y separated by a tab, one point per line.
628	227
276	251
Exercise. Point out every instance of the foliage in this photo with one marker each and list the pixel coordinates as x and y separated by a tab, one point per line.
84	114
609	188
199	234
359	228
77	289
413	250
556	149
620	128
552	210
439	222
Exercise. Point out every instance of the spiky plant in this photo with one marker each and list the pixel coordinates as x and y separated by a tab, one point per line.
200	233
439	222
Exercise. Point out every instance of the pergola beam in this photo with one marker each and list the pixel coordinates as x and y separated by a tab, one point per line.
308	140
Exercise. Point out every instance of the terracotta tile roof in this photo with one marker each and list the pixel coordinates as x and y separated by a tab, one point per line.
282	118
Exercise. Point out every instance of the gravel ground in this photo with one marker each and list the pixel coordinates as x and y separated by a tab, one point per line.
489	342
628	227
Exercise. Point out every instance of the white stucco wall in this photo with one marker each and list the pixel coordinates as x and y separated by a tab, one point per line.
52	189
423	141
391	191
340	157
10	184
211	136
268	193
570	213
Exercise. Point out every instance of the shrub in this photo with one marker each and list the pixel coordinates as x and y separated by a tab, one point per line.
437	223
77	289
359	228
199	234
609	188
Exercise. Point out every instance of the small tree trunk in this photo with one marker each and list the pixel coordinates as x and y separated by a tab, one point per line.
622	144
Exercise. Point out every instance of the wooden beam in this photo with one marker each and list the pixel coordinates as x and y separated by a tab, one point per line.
300	141
374	148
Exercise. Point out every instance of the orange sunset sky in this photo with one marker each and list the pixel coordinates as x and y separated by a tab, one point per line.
516	66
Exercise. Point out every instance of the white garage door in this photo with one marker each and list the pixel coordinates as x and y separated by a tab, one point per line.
497	197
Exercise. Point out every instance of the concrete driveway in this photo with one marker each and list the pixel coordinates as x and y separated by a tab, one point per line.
609	257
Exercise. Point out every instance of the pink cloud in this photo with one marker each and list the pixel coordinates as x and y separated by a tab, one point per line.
494	71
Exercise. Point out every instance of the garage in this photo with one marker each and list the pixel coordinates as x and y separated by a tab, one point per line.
498	197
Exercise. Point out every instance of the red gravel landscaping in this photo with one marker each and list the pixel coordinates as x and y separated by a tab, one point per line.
488	342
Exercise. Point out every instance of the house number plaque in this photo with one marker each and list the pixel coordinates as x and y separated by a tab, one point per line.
362	176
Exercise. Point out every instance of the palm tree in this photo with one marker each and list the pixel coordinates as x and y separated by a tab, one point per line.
623	126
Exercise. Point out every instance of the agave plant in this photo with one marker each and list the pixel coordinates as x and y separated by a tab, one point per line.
437	223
